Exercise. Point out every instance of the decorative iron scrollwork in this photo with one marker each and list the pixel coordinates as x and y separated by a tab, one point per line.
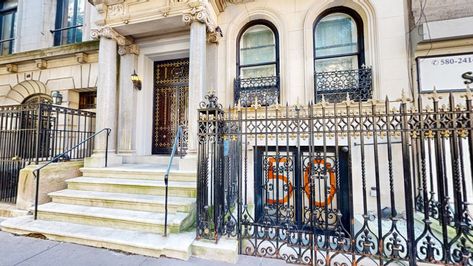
264	89
335	85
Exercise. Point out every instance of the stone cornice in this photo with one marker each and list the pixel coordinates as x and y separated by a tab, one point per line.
56	52
128	49
109	33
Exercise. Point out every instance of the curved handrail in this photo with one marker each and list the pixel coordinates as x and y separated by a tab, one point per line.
36	172
179	134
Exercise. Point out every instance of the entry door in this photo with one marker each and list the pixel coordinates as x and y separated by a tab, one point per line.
171	97
294	186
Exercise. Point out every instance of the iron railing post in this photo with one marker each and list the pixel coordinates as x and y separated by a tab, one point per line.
106	146
179	133
166	181
411	246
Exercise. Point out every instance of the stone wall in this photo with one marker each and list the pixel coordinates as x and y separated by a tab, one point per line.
53	178
436	10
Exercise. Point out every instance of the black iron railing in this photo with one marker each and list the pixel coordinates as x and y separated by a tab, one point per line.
264	89
64	154
339	184
34	133
335	85
67	35
178	141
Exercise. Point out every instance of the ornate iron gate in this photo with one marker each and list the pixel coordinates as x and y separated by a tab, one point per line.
33	133
171	94
373	183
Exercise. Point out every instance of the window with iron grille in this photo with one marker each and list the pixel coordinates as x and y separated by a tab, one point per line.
339	61
88	100
69	21
257	64
8	10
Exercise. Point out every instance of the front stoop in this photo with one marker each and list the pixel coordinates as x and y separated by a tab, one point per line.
9	210
120	208
149	244
225	250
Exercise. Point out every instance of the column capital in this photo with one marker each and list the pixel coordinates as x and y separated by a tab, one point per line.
109	33
199	13
128	49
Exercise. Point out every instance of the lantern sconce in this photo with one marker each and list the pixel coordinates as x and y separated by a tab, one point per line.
136	81
57	97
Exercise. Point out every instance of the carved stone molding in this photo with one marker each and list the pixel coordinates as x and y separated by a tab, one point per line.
109	33
199	13
214	37
128	49
12	68
41	64
82	58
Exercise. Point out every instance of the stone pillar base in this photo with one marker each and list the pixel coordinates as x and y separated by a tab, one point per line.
97	160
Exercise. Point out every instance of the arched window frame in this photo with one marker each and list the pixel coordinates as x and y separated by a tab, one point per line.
359	29
261	84
335	85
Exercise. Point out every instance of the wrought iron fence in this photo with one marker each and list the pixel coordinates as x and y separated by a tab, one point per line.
30	134
263	89
339	184
335	85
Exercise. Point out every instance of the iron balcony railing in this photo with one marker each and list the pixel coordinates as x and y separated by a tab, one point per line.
335	85
264	89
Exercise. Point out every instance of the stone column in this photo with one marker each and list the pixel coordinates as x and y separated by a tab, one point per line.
107	109
200	23
127	95
107	94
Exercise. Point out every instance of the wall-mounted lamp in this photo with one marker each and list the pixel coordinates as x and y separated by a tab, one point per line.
57	97
136	81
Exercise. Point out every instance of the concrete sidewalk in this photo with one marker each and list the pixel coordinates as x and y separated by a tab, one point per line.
28	251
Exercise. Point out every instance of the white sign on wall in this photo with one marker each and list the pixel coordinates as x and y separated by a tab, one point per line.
444	72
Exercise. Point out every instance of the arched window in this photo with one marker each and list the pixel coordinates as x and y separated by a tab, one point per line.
257	64
38	98
339	55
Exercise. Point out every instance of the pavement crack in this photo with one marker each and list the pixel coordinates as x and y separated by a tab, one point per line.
39	253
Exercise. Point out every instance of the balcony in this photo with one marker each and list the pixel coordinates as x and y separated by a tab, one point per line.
265	89
335	85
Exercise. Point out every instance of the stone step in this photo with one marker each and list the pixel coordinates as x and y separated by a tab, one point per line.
115	218
132	186
147	172
149	244
152	159
138	202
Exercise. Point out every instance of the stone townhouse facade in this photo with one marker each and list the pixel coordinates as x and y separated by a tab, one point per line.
145	66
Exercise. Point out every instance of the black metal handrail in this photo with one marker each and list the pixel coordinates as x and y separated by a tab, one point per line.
179	135
36	172
66	28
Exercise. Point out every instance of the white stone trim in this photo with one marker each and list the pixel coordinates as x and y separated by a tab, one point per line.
231	36
370	33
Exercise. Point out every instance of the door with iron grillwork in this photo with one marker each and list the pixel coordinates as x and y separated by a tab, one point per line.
294	184
171	96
